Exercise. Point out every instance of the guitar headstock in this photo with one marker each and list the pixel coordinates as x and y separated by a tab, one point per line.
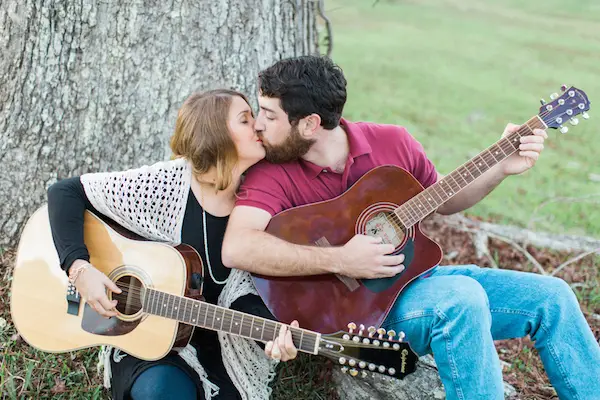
369	351
565	108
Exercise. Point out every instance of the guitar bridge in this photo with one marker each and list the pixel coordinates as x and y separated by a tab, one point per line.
73	300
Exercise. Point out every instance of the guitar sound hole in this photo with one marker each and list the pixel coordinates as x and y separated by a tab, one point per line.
386	225
130	299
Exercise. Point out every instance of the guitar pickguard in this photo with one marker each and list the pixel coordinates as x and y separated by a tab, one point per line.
380	284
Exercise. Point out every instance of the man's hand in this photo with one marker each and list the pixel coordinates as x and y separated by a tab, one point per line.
529	151
282	348
367	257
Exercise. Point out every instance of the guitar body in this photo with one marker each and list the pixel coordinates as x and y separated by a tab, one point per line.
327	303
40	286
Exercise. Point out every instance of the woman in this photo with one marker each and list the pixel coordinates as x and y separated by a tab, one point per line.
185	200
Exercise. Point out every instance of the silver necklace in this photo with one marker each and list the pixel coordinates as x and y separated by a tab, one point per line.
206	244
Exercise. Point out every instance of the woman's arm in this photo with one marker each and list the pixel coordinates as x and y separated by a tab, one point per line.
67	203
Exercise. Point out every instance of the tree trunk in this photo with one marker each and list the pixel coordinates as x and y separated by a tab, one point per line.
92	85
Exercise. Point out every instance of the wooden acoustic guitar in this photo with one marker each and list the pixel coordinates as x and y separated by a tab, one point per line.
386	202
160	304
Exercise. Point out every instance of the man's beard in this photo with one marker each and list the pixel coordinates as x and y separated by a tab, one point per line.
294	147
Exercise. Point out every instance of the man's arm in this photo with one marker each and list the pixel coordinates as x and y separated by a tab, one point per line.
473	193
525	158
247	246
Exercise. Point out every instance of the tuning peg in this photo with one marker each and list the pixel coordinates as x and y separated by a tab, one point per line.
371	331
401	336
372	367
381	369
362	364
543	102
563	88
391	371
585	115
564	129
361	329
554	96
351	327
344	370
353	372
352	362
574	121
381	332
391	333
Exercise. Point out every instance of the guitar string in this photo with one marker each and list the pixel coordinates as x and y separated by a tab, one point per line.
410	216
270	328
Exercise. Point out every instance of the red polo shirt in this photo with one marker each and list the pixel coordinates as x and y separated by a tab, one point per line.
277	187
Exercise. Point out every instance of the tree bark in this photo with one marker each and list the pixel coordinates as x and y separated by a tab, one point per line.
92	85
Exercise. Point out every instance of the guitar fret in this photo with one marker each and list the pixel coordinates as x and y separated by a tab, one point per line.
262	332
188	305
170	305
458	185
161	304
448	191
178	308
251	326
231	321
222	318
496	153
214	313
150	300
205	313
197	307
413	212
301	339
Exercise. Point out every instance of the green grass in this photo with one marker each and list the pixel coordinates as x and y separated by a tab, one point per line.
455	72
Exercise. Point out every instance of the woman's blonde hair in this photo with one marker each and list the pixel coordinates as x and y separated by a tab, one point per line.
202	134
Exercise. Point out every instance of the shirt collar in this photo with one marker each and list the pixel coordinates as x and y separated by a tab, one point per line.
359	145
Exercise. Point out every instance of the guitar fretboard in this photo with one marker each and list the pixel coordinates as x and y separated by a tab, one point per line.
210	316
423	204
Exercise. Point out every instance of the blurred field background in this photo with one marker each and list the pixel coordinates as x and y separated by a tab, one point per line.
454	73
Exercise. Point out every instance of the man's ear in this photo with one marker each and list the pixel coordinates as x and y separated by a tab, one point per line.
309	125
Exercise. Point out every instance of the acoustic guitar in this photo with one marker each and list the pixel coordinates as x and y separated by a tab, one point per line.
160	304
386	202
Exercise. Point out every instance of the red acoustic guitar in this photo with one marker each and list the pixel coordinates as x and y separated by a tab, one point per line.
386	202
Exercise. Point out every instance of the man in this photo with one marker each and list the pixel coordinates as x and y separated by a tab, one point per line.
455	312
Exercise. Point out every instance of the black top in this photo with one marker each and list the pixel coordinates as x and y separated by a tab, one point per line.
67	202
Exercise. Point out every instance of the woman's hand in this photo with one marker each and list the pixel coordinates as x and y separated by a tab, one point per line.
92	285
282	348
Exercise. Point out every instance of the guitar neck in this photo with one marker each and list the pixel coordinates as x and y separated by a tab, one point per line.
423	204
212	317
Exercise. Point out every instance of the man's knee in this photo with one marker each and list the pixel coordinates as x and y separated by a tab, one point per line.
163	382
466	296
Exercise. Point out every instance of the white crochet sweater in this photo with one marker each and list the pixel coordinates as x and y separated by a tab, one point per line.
164	187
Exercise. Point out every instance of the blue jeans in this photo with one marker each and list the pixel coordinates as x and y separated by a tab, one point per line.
162	382
457	312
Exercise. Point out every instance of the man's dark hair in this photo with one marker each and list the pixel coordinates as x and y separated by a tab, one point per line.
306	85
